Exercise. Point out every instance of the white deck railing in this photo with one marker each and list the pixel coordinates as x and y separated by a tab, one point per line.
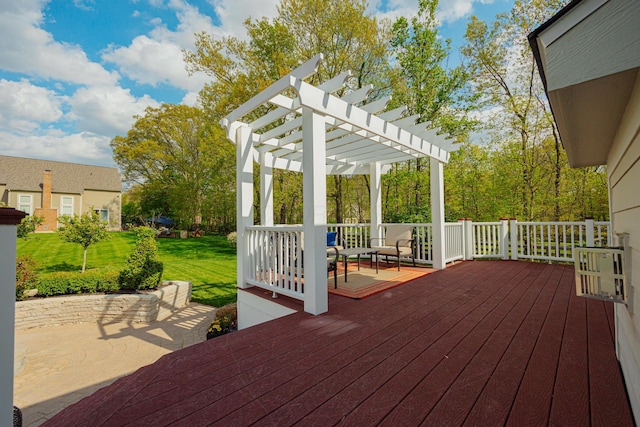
454	241
274	251
554	241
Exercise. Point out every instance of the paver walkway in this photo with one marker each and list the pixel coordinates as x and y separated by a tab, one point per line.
66	363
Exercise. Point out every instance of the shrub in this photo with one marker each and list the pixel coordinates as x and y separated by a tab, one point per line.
232	238
26	275
226	321
143	269
65	283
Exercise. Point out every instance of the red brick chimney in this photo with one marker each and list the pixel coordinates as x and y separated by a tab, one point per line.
49	214
46	190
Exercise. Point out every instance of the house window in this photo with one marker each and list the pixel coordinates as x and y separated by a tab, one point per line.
25	203
66	205
104	214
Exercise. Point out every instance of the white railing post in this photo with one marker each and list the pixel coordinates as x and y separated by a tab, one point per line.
437	214
375	181
504	238
314	196
9	219
467	239
589	228
266	189
244	202
514	238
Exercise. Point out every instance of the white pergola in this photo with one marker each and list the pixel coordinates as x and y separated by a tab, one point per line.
309	129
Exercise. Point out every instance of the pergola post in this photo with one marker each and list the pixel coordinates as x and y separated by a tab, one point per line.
244	200
266	190
437	213
9	219
314	195
376	199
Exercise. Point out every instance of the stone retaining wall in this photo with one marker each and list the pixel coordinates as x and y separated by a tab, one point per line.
156	305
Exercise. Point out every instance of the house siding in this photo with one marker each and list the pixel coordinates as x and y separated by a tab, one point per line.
104	200
596	34
624	175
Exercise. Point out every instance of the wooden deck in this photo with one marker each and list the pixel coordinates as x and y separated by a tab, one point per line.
482	343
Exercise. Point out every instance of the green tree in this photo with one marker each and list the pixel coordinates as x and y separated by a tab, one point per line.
176	155
433	91
505	74
84	230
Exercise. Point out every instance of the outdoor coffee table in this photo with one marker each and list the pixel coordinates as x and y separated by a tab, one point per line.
346	253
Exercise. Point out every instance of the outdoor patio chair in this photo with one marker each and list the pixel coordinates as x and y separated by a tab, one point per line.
332	260
398	242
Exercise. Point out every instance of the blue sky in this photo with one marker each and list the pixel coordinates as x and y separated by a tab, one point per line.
73	73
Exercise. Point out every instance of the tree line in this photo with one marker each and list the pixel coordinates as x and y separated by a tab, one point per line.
180	163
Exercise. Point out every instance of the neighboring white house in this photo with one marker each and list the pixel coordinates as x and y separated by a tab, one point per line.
589	60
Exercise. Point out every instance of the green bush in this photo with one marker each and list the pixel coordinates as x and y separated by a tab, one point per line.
143	269
65	283
26	275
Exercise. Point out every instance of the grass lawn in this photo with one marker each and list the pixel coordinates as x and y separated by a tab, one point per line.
208	262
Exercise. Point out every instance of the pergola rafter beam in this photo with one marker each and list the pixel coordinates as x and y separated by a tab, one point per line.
314	98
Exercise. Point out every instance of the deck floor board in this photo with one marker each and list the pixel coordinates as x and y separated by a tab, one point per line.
480	343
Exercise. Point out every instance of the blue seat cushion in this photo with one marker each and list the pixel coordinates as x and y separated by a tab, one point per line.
331	238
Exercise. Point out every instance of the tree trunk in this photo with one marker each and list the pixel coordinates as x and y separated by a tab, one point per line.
337	197
84	259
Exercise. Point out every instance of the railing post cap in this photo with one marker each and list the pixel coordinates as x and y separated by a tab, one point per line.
588	218
469	219
513	218
461	219
504	219
11	216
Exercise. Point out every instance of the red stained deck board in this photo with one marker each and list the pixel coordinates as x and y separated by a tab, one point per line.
436	343
495	401
299	396
511	311
463	393
608	405
363	375
366	358
570	405
533	400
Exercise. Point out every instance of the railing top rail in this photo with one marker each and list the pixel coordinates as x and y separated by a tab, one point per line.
487	223
275	228
415	224
359	224
551	222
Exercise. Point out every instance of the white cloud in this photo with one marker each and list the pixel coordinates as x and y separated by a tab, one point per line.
23	106
82	147
26	48
448	10
106	110
157	58
233	13
453	10
191	99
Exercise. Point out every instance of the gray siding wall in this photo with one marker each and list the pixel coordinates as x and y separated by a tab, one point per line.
624	179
